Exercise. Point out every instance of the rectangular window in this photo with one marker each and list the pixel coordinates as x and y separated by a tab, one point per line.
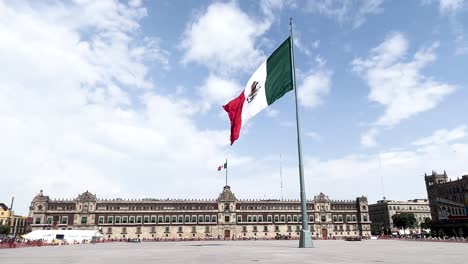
124	230
49	220
354	218
101	219
124	219
226	219
109	230
311	218
38	220
255	229
117	219
340	218
254	218
168	219
174	219
289	218
207	218
160	219
153	219
239	218
153	229
194	229
260	218
365	218
139	219
146	219
249	218
276	218
84	220
214	218
187	219
295	218
265	228
323	218
269	218
138	231
277	229
110	219
348	218
282	218
194	218
244	229
64	220
180	219
166	230
200	219
298	228
180	229
132	219
289	229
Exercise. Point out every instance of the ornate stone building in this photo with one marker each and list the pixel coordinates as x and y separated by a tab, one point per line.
448	201
226	217
381	214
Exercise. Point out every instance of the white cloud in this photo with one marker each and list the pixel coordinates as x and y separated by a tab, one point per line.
272	112
78	112
346	11
399	85
369	138
450	6
402	172
314	85
223	38
442	136
314	135
219	91
455	10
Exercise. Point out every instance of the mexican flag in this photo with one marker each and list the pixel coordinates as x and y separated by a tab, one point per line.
266	85
222	167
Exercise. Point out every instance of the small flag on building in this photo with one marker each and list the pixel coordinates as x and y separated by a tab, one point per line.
223	166
268	83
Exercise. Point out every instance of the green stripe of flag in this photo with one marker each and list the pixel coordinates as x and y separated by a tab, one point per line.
279	73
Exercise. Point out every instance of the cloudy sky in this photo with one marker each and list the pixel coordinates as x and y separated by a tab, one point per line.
124	98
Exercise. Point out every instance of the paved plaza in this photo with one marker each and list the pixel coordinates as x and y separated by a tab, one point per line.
370	251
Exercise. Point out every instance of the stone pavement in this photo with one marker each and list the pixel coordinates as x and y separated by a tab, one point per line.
370	251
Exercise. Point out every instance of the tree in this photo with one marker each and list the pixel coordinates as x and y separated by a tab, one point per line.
426	224
4	229
404	220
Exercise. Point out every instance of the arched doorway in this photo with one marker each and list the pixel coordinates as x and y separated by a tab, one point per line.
227	234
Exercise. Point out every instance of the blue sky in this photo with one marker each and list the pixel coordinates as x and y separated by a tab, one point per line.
124	98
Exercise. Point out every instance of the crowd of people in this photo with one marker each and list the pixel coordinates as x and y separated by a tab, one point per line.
6	242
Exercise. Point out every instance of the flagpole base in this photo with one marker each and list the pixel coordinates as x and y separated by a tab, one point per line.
305	240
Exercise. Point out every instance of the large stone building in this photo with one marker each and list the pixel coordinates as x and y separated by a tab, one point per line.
381	214
448	201
225	217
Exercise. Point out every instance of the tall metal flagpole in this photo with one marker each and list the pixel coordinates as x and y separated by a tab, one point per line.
226	170
305	240
281	177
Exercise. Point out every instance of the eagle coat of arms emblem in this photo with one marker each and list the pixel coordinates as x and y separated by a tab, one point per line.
254	88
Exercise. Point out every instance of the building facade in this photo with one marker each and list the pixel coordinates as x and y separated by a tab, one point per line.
448	201
381	214
18	224
224	217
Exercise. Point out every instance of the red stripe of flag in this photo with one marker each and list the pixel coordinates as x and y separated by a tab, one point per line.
234	110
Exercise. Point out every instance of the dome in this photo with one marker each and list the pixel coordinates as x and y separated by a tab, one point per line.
86	197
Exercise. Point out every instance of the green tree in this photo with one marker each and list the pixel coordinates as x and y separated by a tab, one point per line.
4	229
404	220
426	224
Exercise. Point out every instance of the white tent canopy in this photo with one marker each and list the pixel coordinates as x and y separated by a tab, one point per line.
68	235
